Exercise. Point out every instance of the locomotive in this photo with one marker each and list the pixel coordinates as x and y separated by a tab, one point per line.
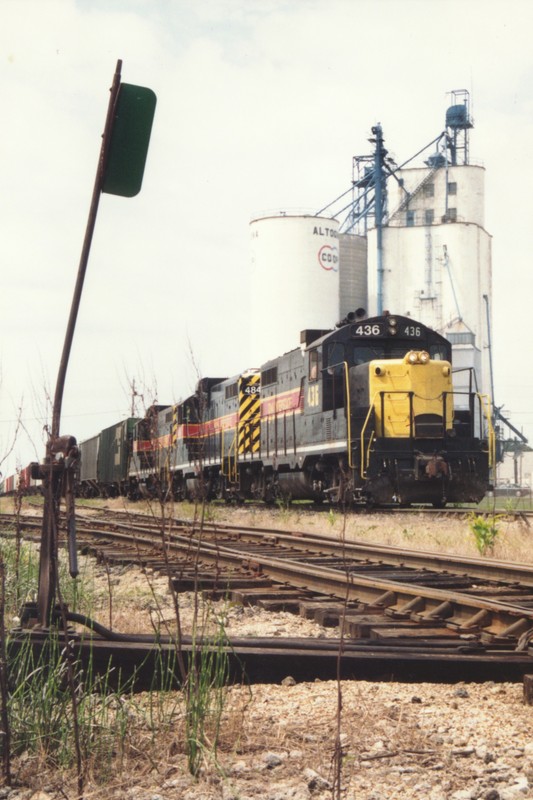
365	413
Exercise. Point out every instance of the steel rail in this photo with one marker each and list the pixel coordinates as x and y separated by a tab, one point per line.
147	665
485	568
479	568
460	610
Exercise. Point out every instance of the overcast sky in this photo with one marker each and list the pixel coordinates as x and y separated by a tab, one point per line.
261	105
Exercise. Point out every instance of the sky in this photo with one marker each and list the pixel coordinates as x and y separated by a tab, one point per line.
261	106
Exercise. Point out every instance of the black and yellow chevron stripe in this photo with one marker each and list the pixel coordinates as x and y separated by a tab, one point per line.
174	430
249	425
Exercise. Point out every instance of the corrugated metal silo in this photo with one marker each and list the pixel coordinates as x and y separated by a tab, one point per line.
353	280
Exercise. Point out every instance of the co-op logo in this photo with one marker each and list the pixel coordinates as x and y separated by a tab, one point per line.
328	258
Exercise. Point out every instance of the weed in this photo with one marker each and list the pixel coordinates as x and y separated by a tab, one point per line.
205	692
510	506
39	708
332	517
211	514
21	567
485	530
285	513
22	574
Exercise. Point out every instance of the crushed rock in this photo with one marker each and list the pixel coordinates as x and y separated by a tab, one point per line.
278	742
397	741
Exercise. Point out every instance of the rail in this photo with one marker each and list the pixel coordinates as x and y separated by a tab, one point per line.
461	595
412	607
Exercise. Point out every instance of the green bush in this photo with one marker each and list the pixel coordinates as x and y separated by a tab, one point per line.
485	530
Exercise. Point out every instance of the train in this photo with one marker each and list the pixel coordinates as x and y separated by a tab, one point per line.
362	414
21	482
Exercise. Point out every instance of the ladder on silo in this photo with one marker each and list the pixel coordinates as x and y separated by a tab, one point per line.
409	195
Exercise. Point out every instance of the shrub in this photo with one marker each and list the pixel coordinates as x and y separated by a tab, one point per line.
485	530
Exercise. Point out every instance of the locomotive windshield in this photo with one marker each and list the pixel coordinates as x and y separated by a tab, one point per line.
387	337
355	353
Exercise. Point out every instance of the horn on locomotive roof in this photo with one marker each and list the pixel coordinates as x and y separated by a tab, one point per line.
352	316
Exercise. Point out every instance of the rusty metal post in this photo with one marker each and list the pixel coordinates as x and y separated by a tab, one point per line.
55	470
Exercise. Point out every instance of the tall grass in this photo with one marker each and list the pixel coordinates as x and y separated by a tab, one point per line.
39	708
205	695
206	671
109	723
22	575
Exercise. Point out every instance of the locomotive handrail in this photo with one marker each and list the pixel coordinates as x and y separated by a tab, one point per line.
365	457
232	460
485	411
231	474
472	377
485	404
348	406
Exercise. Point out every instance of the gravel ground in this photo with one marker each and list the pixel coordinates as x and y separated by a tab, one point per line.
278	742
397	741
291	742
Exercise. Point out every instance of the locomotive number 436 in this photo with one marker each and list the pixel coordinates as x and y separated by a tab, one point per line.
411	331
368	330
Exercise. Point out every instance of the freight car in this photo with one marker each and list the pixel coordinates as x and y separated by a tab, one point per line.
105	461
21	483
365	413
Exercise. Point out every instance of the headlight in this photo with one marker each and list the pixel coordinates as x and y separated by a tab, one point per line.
412	357
424	357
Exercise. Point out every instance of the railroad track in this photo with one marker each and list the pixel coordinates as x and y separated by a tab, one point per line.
393	607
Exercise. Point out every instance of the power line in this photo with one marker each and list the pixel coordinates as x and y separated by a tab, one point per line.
43	420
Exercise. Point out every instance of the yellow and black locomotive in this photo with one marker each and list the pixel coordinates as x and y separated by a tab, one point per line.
365	413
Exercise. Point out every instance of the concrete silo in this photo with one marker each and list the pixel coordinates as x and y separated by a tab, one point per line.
436	256
295	280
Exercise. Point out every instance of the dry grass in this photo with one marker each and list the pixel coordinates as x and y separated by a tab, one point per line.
417	531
